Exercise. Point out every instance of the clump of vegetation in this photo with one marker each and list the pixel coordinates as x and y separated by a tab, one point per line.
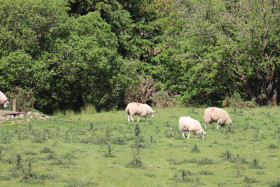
78	182
275	183
136	149
163	99
18	162
195	149
206	172
25	99
46	150
109	153
272	146
226	155
141	91
237	102
184	176
255	164
250	179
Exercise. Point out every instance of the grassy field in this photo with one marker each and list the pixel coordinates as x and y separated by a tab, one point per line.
103	149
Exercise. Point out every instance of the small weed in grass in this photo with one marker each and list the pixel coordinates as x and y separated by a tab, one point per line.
226	155
118	140
39	138
206	172
275	183
167	124
205	161
68	156
272	146
51	156
11	176
18	162
136	149
149	175
30	153
90	127
46	150
81	183
29	176
260	172
250	179
109	153
255	164
183	176
195	149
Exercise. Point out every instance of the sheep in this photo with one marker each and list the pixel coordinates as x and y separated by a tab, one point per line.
191	125
214	114
139	109
3	99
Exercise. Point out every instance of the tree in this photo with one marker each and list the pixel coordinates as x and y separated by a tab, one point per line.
252	47
228	46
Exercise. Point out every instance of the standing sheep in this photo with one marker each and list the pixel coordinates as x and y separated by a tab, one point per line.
138	109
214	114
191	125
3	99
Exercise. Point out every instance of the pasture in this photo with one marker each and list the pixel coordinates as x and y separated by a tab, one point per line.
103	149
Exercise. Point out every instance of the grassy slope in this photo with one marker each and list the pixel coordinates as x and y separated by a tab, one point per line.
79	142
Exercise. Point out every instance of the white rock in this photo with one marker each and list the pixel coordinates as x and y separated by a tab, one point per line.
21	116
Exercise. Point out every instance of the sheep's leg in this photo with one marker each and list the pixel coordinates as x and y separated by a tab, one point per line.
131	118
217	126
128	118
138	119
189	134
183	134
205	125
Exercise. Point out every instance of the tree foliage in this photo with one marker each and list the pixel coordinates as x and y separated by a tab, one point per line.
73	53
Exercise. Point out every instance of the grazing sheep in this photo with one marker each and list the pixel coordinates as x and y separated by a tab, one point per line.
191	125
138	109
214	114
3	99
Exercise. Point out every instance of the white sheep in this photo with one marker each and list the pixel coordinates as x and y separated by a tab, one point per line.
139	109
3	99
214	114
191	125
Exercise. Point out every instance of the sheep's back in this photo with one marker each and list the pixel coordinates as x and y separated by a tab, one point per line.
217	114
188	123
138	108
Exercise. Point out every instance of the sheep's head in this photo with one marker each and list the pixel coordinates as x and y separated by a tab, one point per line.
6	103
203	134
201	131
229	121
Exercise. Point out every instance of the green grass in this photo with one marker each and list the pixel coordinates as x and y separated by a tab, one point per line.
97	150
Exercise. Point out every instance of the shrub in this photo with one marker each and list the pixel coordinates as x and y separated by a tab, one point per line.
141	91
226	155
195	149
25	99
237	102
162	99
